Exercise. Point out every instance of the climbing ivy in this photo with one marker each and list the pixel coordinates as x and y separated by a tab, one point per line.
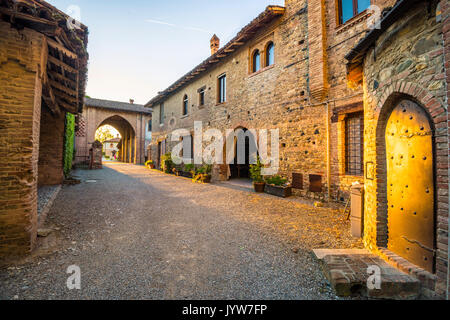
69	143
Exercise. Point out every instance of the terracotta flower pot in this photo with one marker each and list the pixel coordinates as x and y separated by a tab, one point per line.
259	186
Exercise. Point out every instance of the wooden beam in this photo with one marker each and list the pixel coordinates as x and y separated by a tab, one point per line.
50	99
230	50
69	107
61	64
65	96
62	88
61	48
55	75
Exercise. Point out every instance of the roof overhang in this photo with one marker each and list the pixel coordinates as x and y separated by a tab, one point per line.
356	55
66	51
246	33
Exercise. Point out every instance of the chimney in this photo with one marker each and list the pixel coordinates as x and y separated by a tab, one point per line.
215	44
131	101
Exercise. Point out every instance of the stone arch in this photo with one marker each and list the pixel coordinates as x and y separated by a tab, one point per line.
243	167
437	115
107	117
114	121
127	146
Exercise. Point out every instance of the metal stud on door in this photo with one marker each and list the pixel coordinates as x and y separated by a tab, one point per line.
410	184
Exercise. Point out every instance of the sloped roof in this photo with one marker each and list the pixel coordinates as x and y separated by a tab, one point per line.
65	81
115	140
357	53
243	36
116	105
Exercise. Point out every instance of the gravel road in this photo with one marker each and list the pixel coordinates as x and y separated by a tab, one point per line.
140	234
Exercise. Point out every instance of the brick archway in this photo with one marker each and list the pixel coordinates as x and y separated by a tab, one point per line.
129	119
437	115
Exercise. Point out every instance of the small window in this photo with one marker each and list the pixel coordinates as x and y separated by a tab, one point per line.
350	8
354	144
185	104
150	125
161	113
256	61
201	97
270	54
222	90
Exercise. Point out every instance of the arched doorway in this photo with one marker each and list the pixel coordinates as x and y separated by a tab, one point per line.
245	150
127	144
410	184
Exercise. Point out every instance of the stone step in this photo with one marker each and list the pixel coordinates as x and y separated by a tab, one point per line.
356	272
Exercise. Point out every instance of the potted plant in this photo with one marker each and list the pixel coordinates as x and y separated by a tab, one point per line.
188	170
166	163
258	179
149	164
203	174
278	186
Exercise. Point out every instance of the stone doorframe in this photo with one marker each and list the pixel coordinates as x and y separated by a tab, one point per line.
437	113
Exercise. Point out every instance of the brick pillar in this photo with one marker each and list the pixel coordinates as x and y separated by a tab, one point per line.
21	55
51	148
317	49
445	9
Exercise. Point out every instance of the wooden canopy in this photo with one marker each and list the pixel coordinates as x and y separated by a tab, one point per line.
66	59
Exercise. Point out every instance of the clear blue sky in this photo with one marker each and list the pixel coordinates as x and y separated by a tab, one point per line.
139	47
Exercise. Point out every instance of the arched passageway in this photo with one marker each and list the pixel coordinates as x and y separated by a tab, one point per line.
244	144
129	119
128	142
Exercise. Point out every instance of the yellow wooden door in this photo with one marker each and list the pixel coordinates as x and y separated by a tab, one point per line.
410	184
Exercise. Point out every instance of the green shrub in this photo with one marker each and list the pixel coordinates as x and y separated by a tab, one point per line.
205	169
69	138
166	163
188	167
255	171
276	180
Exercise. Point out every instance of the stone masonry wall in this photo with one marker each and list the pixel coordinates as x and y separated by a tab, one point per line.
274	97
445	7
409	64
340	39
20	108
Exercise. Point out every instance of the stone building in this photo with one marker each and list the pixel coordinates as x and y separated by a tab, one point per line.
43	65
130	119
404	73
110	147
328	76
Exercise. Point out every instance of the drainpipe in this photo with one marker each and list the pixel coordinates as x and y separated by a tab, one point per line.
328	152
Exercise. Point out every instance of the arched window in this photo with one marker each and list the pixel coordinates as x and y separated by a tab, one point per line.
270	54
256	61
185	104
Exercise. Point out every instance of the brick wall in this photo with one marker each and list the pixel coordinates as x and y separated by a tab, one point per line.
20	108
409	65
51	148
445	11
